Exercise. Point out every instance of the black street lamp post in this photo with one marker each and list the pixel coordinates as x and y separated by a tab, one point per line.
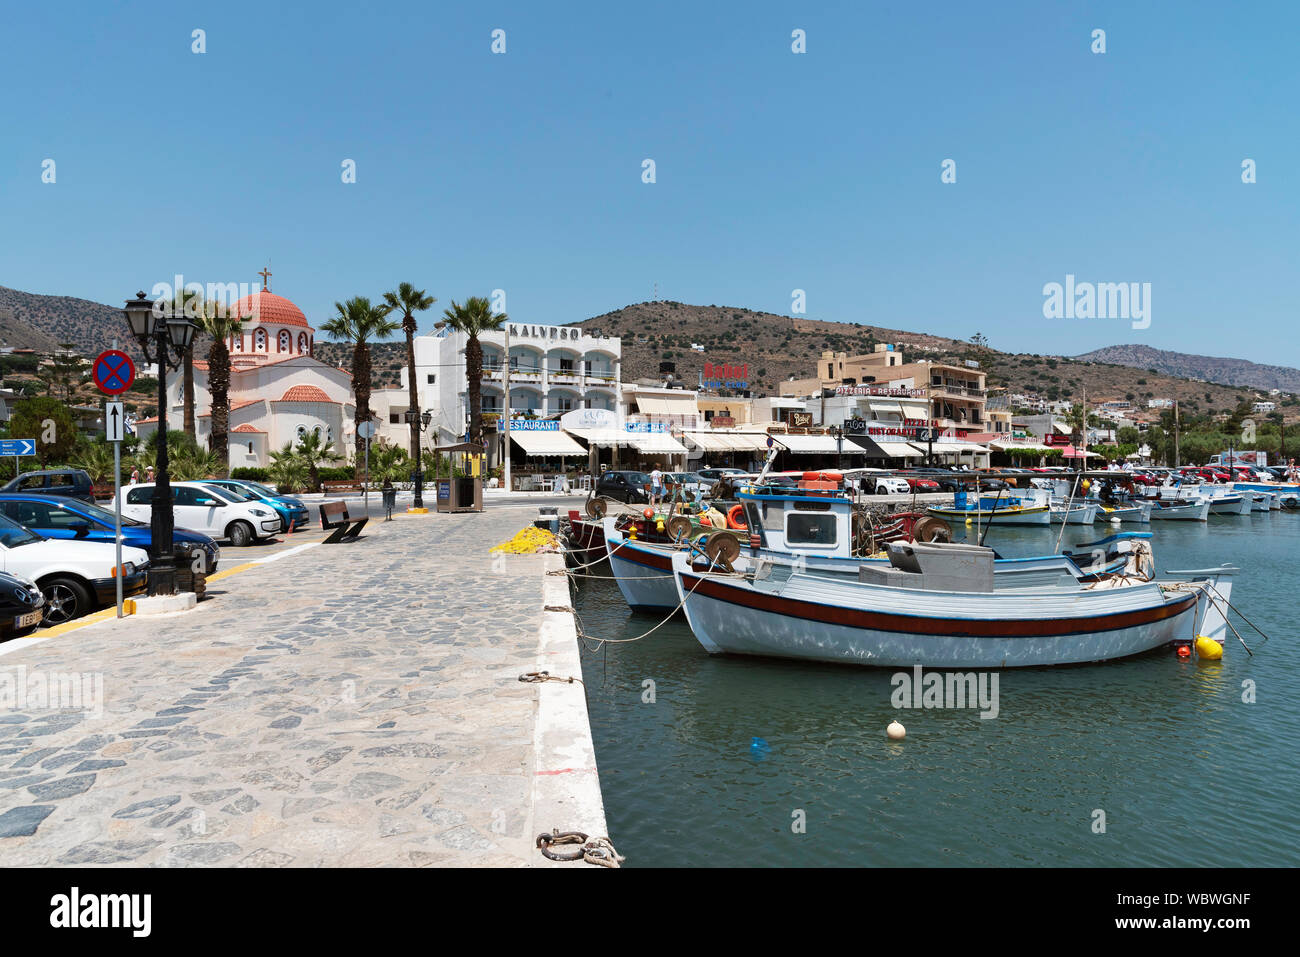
160	335
413	417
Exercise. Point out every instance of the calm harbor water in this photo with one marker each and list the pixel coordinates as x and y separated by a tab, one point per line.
716	769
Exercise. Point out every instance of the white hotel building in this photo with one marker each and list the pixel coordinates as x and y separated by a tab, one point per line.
553	369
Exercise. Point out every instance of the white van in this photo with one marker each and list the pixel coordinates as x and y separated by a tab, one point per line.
209	509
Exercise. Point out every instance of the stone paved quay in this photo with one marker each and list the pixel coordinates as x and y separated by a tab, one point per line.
345	705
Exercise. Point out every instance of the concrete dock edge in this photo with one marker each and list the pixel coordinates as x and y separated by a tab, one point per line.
566	783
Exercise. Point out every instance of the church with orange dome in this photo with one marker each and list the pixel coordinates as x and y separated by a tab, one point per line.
278	391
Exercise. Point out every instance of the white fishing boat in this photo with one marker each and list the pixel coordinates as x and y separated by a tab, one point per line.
1031	509
1262	502
936	606
1078	512
1198	511
821	535
1236	504
1133	513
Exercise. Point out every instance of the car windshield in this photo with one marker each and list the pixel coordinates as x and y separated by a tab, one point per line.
103	514
242	493
12	534
686	477
637	478
227	494
268	492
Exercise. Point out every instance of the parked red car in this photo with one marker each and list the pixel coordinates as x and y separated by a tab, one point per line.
922	484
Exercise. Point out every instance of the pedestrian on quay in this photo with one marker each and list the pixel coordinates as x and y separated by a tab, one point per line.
656	485
135	475
148	473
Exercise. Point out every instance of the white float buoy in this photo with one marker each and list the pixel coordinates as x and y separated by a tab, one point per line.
896	731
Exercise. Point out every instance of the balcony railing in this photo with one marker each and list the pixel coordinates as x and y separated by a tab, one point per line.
946	388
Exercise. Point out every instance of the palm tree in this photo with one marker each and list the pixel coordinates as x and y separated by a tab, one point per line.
313	453
358	322
474	318
389	462
214	319
96	459
190	304
408	300
287	473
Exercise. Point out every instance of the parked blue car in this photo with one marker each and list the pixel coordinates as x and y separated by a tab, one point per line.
293	511
55	516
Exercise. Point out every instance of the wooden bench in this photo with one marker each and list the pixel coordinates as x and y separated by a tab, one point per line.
335	520
340	485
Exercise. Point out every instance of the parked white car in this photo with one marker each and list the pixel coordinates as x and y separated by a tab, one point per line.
209	509
75	577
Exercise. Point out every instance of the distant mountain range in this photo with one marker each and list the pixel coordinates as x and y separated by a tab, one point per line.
30	321
773	347
1238	372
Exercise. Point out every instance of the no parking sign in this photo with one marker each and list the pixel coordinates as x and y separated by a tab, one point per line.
114	372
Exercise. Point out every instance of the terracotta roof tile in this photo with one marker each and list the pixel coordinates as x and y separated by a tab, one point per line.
306	393
267	308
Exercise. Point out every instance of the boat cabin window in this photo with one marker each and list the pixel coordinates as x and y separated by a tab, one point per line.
773	515
803	528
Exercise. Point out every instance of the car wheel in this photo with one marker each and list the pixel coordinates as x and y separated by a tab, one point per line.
239	534
65	599
882	491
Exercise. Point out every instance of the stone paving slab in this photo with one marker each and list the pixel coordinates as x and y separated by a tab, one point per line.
346	705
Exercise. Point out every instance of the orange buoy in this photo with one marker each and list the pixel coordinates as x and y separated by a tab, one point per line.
649	513
734	516
1184	651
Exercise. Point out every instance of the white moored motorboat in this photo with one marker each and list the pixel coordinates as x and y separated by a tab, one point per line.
896	617
1136	513
1077	512
1182	512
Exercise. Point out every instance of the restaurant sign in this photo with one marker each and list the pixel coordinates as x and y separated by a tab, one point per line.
722	422
723	375
534	425
880	390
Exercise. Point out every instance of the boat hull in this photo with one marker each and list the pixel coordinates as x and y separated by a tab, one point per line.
1191	512
728	617
1139	514
643	575
1078	514
1035	515
643	571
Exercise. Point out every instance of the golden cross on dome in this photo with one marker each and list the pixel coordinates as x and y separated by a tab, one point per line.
266	275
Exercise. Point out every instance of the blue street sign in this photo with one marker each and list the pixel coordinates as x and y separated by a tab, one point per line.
17	446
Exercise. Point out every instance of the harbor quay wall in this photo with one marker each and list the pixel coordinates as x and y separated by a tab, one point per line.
356	704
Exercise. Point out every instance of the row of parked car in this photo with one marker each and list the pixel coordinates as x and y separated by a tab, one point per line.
57	545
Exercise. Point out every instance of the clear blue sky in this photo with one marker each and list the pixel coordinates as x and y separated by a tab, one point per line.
775	171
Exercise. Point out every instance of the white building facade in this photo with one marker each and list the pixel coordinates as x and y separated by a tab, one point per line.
552	370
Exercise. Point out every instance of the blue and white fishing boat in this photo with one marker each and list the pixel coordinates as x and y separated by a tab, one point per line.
821	534
1028	507
1194	511
937	606
1132	513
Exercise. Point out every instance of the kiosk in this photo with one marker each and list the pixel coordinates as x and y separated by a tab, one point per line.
461	493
